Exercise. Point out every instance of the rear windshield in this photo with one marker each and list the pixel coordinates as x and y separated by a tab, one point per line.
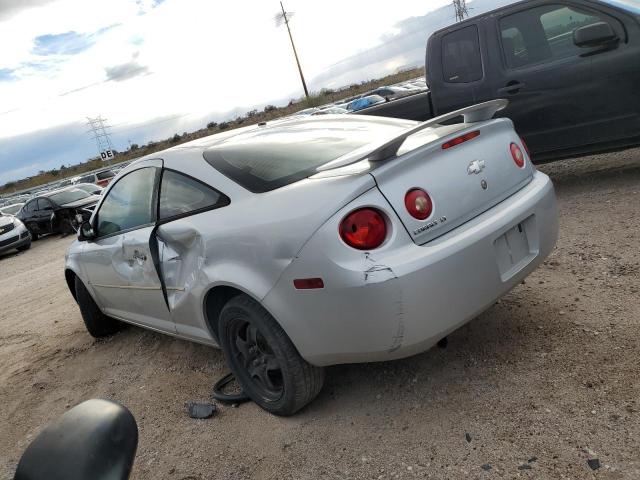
269	159
68	196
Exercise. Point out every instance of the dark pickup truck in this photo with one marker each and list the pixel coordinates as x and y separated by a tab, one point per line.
570	69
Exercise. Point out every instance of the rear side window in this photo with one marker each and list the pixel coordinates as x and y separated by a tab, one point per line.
461	60
543	34
180	195
44	204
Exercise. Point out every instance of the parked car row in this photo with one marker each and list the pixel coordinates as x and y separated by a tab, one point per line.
368	99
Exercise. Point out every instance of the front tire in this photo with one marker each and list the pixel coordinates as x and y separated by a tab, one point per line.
97	323
264	361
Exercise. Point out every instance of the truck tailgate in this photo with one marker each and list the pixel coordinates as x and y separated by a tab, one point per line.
462	179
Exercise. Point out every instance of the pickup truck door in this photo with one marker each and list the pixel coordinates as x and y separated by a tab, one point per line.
557	91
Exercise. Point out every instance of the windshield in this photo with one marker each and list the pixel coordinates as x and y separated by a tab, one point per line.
632	5
68	196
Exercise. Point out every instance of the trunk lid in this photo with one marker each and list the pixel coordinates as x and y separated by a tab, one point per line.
462	181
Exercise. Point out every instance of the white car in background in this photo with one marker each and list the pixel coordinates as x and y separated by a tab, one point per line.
316	241
13	234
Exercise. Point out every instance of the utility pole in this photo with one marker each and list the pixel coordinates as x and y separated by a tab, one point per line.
99	129
461	9
284	17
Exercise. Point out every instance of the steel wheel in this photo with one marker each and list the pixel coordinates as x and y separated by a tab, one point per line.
252	352
265	363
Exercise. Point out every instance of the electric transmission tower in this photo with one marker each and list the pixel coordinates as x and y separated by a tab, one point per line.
284	17
99	128
462	12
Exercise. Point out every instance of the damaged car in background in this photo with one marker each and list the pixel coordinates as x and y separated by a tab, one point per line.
58	211
315	241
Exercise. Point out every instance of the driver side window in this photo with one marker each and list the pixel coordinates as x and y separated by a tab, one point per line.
129	204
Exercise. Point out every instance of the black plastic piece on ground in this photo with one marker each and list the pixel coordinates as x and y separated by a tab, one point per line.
95	440
220	395
201	410
594	463
443	342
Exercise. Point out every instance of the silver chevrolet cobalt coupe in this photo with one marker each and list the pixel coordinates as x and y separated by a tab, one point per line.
316	241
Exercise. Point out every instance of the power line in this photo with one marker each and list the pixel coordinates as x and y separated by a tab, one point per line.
284	18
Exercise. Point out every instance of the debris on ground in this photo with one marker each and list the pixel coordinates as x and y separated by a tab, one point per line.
201	410
594	463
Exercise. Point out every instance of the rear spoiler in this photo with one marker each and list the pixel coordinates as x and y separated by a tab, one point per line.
389	148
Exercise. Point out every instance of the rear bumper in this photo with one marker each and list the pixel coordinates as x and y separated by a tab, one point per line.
406	299
18	237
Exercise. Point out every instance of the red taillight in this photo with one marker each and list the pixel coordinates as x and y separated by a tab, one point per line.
418	203
517	155
363	229
526	149
308	283
461	139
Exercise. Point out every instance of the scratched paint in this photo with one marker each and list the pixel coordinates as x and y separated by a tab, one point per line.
375	272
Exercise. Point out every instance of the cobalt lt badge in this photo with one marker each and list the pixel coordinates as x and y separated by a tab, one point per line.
483	184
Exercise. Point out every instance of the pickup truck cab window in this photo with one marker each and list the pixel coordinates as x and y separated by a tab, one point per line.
543	34
129	204
461	60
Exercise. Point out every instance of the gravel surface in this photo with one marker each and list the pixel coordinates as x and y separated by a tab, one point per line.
541	385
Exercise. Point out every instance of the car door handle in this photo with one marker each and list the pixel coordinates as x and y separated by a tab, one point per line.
511	88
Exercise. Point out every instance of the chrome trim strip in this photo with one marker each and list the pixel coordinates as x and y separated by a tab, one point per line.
133	287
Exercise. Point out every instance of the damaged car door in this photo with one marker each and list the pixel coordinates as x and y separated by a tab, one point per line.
119	261
181	247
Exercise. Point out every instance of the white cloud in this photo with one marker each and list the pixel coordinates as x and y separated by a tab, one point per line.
196	57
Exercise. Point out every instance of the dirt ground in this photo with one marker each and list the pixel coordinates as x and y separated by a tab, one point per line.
543	381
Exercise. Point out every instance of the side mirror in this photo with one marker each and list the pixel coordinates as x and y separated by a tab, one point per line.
594	35
96	439
86	231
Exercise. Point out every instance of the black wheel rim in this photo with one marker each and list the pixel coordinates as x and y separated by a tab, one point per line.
255	360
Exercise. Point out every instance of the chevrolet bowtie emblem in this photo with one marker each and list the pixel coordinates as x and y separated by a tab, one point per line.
475	167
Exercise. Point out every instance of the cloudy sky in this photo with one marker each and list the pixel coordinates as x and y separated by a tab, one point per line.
153	67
